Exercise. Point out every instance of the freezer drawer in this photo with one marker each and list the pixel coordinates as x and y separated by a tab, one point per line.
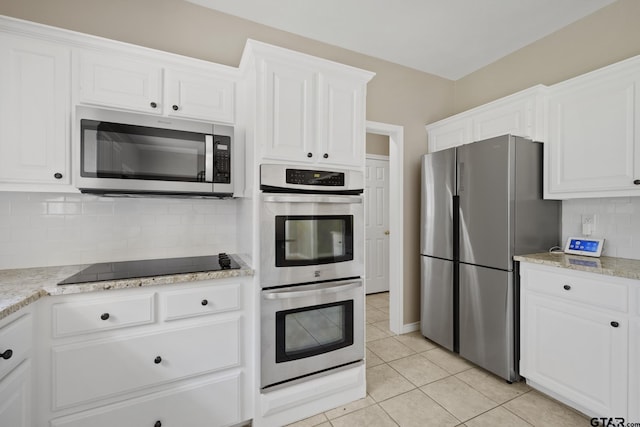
437	300
487	319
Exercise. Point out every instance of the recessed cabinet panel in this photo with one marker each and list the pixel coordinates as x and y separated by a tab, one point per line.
515	119
290	124
578	354
593	137
73	318
92	370
203	97
110	80
215	402
634	368
34	111
202	301
342	134
452	133
15	398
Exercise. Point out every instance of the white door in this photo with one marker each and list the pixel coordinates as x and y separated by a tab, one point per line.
377	226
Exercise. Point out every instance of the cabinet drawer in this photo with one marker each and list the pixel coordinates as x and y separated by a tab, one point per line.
201	301
593	289
209	403
94	370
72	318
15	343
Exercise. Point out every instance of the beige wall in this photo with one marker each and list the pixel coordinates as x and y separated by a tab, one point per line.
604	37
397	95
377	144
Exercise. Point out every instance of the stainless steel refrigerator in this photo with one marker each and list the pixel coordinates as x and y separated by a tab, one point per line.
481	205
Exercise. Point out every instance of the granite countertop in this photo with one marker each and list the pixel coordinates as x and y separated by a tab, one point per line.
609	266
21	287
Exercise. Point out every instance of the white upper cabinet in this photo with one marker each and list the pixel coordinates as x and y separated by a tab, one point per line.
307	109
117	80
593	144
34	114
520	114
199	95
120	82
290	117
343	126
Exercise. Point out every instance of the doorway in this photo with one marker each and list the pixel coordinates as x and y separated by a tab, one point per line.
396	209
376	230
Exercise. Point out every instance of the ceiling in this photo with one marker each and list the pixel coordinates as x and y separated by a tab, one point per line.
448	38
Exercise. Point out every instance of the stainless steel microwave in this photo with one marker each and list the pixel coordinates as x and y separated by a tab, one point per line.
119	153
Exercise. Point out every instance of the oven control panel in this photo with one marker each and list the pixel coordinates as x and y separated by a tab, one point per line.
313	177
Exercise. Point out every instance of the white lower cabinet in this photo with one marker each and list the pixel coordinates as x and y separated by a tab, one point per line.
15	397
574	346
173	355
213	402
16	338
634	357
84	372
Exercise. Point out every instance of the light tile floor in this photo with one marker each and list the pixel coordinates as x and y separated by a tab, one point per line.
411	382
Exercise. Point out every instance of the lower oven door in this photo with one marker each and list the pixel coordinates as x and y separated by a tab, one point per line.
307	329
308	238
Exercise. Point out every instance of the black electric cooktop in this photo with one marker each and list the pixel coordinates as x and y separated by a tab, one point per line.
151	267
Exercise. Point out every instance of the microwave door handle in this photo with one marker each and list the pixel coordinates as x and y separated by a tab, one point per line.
312	199
329	289
208	158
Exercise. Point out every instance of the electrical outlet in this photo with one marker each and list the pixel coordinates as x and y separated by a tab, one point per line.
588	224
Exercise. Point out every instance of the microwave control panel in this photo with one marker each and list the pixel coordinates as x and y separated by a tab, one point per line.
222	159
311	177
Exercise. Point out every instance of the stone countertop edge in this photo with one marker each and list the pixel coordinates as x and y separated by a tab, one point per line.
21	287
608	266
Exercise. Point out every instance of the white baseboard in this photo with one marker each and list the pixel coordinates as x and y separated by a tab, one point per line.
410	327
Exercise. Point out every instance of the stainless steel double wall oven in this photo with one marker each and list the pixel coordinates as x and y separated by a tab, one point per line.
312	262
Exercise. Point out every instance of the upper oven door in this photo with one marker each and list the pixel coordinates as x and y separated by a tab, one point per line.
306	238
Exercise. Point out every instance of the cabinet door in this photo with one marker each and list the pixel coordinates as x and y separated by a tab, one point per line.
15	398
451	133
634	363
576	353
114	81
288	112
34	111
342	122
515	118
593	137
201	97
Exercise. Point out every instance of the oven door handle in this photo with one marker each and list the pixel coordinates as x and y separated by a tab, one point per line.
327	288
296	198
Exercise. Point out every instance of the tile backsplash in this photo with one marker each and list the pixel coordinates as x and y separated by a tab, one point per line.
44	229
617	220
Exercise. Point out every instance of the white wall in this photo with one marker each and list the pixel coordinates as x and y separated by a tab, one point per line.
41	229
617	220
